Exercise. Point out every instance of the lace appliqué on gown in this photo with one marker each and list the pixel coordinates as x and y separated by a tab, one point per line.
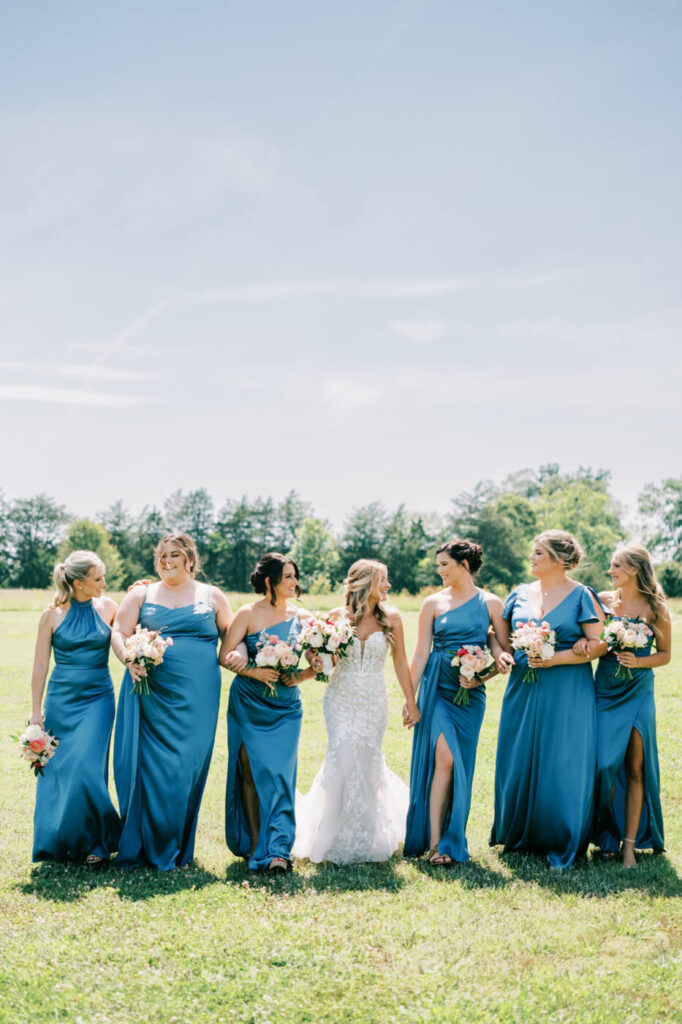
356	808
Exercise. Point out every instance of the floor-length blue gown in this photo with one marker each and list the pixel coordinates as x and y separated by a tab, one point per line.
547	742
74	816
164	740
459	724
269	728
624	705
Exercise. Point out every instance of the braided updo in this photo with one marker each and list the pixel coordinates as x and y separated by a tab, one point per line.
463	551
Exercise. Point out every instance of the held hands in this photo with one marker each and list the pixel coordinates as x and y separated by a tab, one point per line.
581	648
627	658
411	715
235	662
269	676
542	662
136	670
504	662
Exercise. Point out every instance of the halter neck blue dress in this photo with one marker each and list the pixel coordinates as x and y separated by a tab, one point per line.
74	816
459	724
547	742
164	740
624	705
269	729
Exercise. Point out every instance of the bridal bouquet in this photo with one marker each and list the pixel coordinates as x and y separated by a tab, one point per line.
470	660
37	747
626	635
327	638
145	647
536	641
272	652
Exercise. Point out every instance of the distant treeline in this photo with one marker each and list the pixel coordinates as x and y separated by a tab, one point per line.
36	532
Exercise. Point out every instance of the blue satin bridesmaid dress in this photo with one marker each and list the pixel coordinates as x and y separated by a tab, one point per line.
164	740
74	816
459	724
547	742
624	705
269	728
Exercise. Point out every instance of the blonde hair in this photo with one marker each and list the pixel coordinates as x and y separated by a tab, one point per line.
358	584
76	567
562	547
186	545
639	559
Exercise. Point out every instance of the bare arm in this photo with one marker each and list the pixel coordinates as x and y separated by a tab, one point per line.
498	635
411	713
234	639
41	663
237	660
124	626
424	640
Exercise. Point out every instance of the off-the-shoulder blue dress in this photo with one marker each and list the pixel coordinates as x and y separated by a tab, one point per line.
74	816
268	728
459	724
547	742
624	705
164	740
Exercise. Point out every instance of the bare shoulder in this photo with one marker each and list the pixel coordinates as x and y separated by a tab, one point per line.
50	616
493	602
431	602
302	613
392	614
106	606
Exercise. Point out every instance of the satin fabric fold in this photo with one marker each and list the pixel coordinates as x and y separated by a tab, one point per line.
269	729
460	726
164	740
546	761
74	816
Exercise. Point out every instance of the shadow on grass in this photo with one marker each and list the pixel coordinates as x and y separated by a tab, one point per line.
471	875
315	878
68	883
595	878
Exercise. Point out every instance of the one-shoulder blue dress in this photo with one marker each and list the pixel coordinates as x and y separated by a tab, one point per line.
164	740
624	705
74	816
268	728
459	724
547	742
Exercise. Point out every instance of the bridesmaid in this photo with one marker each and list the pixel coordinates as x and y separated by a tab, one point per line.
164	740
263	731
446	737
628	778
547	740
75	819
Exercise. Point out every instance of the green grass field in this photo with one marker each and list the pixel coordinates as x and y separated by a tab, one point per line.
501	939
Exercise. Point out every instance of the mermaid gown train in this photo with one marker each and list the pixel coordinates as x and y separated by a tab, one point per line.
460	725
547	742
74	816
164	740
356	807
268	727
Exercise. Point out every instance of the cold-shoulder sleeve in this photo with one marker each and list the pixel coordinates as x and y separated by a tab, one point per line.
509	604
586	611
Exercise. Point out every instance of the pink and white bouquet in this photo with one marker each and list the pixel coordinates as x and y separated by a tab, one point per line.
145	647
273	652
626	635
470	659
327	638
536	640
37	746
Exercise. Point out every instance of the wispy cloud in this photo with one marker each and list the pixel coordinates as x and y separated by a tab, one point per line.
84	371
419	331
67	396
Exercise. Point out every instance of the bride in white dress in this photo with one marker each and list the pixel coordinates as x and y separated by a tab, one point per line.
356	808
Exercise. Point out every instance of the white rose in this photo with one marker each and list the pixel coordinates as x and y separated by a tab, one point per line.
547	652
33	732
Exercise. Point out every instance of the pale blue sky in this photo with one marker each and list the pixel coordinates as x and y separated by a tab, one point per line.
367	250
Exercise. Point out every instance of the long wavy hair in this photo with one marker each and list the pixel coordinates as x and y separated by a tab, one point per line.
358	584
639	560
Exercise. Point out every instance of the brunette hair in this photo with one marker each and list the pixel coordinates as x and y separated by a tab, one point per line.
188	548
562	547
639	559
270	569
76	567
463	550
358	584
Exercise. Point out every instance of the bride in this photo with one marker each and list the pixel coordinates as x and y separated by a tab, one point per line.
356	808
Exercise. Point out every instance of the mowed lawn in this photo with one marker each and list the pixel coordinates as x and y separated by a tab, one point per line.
501	939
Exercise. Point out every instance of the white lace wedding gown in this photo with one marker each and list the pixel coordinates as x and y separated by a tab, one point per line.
356	807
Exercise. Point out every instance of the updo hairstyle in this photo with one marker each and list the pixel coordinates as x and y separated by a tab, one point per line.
562	547
188	548
463	550
358	584
76	567
270	569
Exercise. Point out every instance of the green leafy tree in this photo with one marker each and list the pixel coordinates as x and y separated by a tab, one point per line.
661	507
244	531
34	529
316	553
5	552
150	527
406	543
670	578
85	535
290	514
363	535
191	513
504	527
